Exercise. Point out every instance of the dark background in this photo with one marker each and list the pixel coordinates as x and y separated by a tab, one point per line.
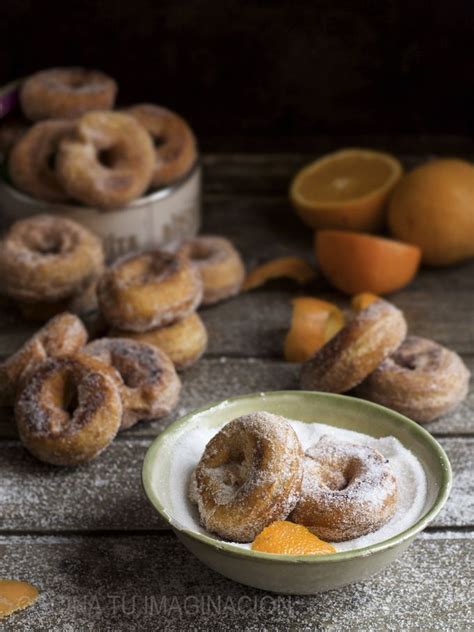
276	73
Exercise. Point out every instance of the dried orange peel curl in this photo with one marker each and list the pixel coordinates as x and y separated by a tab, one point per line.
363	300
293	268
313	323
15	595
287	538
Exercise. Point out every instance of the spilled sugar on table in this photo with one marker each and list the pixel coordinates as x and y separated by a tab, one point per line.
102	558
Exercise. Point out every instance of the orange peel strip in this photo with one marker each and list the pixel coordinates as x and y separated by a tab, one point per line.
15	595
313	323
293	268
363	300
287	538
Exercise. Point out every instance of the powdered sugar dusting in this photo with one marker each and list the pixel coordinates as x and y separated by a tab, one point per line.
407	470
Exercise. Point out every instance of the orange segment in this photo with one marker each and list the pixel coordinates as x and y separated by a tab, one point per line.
287	538
293	268
15	595
356	262
363	300
346	189
313	323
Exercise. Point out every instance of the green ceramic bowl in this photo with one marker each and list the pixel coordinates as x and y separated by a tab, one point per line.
299	574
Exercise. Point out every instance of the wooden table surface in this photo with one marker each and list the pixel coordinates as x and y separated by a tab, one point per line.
103	559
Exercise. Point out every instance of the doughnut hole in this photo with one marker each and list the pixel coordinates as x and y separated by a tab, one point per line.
68	402
200	251
229	470
68	410
49	241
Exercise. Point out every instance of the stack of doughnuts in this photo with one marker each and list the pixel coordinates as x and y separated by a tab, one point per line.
153	297
71	398
254	471
372	355
50	264
60	386
73	148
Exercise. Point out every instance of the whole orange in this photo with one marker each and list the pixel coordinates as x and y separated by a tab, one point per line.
357	262
433	207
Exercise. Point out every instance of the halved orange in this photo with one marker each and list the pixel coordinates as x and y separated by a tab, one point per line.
313	323
287	538
357	262
347	189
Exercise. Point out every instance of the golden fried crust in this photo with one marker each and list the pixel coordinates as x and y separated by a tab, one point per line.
249	475
68	411
48	258
421	379
175	145
32	159
66	93
219	264
63	335
149	290
348	358
149	385
107	162
184	342
348	490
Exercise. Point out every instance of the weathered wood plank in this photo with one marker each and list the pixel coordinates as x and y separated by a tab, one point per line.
213	379
107	494
153	583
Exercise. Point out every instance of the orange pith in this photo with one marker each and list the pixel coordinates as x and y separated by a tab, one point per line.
15	595
346	189
293	268
356	262
287	538
313	323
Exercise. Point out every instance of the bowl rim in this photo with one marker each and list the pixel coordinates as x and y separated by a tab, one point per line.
230	549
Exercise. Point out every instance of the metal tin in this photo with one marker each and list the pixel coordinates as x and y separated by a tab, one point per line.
161	218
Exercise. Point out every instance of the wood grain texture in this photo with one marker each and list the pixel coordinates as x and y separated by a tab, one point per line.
60	527
107	493
152	583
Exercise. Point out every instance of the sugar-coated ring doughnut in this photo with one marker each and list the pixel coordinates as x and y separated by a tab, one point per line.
348	490
175	145
32	160
249	475
107	161
66	93
68	410
48	258
184	341
62	335
353	353
219	264
149	384
149	290
421	379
